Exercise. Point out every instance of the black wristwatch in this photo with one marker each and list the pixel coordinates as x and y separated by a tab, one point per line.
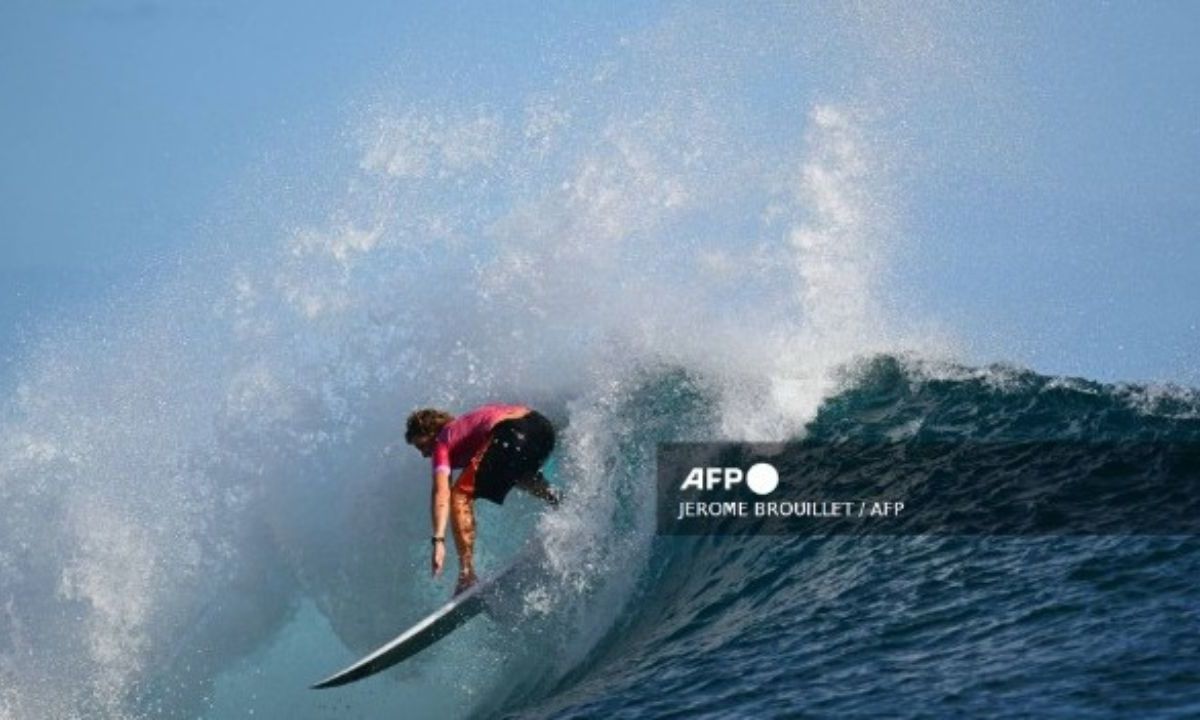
435	540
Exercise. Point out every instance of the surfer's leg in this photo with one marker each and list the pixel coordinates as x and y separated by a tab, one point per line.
537	486
462	521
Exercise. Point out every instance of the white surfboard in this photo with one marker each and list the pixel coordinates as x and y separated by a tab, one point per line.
425	633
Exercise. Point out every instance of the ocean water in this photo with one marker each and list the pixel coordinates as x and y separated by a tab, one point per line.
204	509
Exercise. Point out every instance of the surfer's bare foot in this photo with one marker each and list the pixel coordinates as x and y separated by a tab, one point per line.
465	581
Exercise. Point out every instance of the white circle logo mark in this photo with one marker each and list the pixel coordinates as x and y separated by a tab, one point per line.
762	478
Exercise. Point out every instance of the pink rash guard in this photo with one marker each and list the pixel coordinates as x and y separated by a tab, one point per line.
466	435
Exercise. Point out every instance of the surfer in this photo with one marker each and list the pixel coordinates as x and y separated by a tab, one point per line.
497	447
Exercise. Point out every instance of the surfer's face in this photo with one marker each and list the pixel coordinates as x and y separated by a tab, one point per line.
424	445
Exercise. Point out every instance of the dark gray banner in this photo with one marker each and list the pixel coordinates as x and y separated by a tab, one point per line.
943	487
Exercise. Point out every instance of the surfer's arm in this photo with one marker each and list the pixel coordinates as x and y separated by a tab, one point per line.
440	501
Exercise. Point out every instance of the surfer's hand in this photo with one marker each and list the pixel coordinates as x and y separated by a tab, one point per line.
439	558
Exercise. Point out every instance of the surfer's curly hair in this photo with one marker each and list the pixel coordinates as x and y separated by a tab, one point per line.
426	422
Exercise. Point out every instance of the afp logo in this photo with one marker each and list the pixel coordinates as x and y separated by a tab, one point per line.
761	478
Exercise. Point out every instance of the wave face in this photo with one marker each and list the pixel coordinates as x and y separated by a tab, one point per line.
201	515
1054	626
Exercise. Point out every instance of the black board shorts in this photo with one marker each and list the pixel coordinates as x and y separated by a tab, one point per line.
516	451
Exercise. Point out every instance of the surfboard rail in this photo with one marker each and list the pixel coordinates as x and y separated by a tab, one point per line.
428	631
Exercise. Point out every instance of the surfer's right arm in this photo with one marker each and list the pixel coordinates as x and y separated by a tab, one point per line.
440	504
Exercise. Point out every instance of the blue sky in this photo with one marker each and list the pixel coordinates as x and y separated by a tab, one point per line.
126	121
1070	242
124	118
1089	256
